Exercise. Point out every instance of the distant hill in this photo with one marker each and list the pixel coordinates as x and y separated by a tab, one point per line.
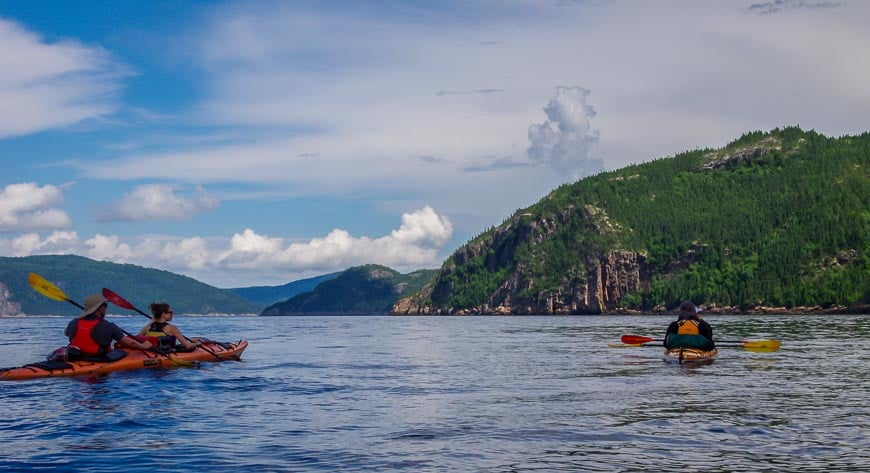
777	219
78	277
268	295
369	289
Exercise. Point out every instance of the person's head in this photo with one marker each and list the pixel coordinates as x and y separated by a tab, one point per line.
161	311
94	304
688	310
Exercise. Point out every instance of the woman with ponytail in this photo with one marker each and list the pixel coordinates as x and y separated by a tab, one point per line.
160	327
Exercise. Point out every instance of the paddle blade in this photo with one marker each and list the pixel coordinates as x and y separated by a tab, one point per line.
636	339
762	346
47	289
116	299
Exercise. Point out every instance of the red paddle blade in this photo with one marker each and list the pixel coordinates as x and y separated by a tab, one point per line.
636	339
117	300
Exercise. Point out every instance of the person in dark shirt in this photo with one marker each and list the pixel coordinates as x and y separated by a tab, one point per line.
93	335
689	330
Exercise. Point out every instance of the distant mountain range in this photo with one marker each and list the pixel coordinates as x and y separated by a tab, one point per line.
366	289
268	295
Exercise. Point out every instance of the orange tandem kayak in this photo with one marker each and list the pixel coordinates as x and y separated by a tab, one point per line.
135	360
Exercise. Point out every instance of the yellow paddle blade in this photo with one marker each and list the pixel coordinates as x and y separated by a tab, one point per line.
762	346
47	289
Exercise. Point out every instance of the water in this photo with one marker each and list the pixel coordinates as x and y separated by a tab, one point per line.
491	394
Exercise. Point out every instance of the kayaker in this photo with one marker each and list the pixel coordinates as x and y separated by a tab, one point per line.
93	335
689	330
161	315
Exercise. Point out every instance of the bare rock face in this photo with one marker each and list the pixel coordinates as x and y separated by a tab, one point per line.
596	291
737	157
594	285
7	305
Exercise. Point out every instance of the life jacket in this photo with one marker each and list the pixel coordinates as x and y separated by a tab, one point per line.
688	336
83	339
157	337
688	327
156	329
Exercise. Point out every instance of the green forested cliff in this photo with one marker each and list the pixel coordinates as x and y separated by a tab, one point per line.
773	219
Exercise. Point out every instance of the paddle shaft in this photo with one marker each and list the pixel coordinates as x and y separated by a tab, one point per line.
760	346
637	339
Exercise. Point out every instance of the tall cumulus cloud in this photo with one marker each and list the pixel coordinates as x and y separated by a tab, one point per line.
565	139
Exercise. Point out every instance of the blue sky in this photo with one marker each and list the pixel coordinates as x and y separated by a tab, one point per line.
256	142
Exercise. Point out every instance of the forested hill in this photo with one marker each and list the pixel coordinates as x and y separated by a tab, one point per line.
777	219
78	277
361	290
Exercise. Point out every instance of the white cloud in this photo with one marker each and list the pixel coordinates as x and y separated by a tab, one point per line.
158	202
254	257
565	139
424	228
58	242
28	207
108	248
48	85
415	243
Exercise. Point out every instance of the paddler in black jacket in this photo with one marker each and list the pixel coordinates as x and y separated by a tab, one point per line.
689	330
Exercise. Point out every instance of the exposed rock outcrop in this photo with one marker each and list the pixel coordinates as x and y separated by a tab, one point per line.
734	158
596	291
8	307
593	285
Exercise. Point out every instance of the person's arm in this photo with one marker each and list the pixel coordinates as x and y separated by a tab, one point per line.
121	336
672	328
70	330
706	330
175	332
132	342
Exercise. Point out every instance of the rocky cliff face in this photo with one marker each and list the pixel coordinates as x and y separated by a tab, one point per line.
592	286
7	306
595	291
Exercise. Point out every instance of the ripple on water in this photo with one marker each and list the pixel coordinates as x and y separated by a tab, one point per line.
453	394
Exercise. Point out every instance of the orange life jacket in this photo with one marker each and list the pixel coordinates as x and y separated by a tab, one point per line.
83	339
688	327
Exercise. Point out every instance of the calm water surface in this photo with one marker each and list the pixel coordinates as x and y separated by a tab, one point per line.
451	394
